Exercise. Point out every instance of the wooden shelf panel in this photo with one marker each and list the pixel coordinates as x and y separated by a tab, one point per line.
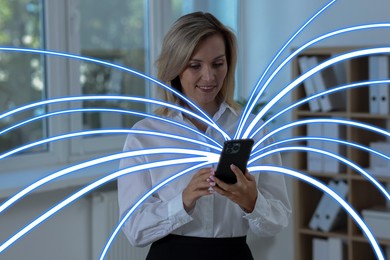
361	194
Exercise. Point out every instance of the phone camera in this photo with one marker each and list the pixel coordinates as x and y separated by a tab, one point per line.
232	148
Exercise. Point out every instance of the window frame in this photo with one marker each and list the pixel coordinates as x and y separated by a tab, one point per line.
61	33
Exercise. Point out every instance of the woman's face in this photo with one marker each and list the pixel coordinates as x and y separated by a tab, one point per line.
205	73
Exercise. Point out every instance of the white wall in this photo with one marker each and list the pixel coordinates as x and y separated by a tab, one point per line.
64	236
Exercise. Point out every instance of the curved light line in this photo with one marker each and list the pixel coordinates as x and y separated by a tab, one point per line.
320	38
323	120
104	131
302	77
305	138
141	200
108	158
106	63
349	163
109	110
90	187
333	194
329	91
249	106
108	97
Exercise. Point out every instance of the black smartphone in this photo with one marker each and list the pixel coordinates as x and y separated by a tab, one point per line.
235	152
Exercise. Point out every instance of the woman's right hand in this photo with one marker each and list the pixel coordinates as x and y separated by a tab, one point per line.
201	184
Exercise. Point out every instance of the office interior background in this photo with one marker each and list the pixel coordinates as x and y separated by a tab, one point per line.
128	32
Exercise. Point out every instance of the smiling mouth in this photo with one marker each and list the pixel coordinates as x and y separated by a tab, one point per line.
206	87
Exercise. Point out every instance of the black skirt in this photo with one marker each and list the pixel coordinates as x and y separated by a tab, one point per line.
174	247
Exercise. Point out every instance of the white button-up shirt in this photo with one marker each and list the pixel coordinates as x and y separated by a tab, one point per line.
214	215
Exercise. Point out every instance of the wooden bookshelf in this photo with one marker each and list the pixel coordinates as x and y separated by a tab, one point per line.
361	193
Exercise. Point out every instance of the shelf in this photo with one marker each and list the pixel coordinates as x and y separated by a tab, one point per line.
339	234
361	192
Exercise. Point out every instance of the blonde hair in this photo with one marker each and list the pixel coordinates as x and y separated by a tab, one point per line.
178	46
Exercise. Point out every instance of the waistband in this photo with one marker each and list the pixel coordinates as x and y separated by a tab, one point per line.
203	240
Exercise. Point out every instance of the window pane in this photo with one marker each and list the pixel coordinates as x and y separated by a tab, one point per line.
21	74
112	31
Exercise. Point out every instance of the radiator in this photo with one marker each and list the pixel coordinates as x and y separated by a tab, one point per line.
104	218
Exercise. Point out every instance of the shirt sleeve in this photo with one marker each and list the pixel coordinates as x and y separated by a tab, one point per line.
272	209
153	218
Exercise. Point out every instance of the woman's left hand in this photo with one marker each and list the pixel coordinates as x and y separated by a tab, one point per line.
243	192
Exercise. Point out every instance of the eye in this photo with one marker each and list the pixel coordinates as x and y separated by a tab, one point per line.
194	66
218	64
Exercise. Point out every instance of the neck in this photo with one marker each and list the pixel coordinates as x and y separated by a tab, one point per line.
210	110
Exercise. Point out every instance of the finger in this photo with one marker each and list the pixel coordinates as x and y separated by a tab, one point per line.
221	191
221	185
249	176
239	174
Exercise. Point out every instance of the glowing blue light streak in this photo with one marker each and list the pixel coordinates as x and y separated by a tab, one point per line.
323	120
250	105
108	110
106	63
347	162
252	169
333	194
80	166
306	138
304	76
320	38
104	131
92	186
108	97
354	218
141	200
329	91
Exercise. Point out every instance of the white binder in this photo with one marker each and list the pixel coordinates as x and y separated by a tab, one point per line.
316	219
324	80
334	131
379	93
384	89
314	159
333	213
320	249
335	249
373	69
308	84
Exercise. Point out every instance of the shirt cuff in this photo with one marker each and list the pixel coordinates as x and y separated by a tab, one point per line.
261	210
176	209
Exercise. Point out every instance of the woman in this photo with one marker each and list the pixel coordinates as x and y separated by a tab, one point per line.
198	216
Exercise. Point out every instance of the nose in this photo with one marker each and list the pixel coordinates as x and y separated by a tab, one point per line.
208	73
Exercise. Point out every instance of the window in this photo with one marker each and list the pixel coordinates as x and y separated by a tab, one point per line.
22	76
128	33
119	38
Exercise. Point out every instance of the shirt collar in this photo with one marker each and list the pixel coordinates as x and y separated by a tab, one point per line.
222	108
